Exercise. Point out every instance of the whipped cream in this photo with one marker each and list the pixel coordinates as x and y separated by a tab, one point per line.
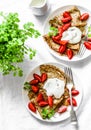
73	35
54	86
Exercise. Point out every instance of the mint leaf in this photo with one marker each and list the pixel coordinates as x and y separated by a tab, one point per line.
27	86
47	113
53	31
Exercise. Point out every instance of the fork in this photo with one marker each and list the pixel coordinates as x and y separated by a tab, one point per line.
82	50
70	84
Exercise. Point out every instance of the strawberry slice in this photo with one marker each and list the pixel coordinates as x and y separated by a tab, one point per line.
40	97
74	102
63	42
69	53
32	107
35	89
75	92
62	109
43	103
50	101
36	76
62	49
43	77
66	26
34	82
66	14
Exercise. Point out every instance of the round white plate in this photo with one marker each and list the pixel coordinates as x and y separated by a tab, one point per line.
57	117
46	30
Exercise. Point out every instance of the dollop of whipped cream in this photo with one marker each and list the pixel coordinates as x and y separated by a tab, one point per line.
73	35
54	86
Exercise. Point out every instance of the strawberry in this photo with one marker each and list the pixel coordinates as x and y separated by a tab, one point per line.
63	42
62	109
32	107
43	77
66	14
87	45
50	101
35	89
33	82
62	49
69	53
55	39
66	20
40	97
84	16
60	31
74	102
36	76
75	92
43	103
66	26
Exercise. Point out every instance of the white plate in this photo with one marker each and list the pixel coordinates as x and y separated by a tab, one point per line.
57	117
46	30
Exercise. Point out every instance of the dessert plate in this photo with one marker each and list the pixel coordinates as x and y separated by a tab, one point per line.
46	30
57	117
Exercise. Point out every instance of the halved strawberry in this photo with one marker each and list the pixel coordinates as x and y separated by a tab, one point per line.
75	92
74	102
50	101
62	109
34	82
35	89
43	103
39	97
36	76
43	77
32	107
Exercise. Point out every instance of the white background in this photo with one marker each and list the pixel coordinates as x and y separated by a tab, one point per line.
13	114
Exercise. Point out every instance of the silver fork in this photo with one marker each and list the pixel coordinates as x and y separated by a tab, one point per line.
70	84
82	50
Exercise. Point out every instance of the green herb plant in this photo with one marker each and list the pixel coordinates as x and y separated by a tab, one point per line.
12	43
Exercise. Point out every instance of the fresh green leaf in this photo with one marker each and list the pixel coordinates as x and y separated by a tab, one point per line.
53	31
27	86
47	113
12	43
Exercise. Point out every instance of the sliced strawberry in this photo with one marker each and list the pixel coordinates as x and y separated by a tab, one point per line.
62	49
40	97
50	101
43	103
84	16
36	76
66	26
32	107
34	82
66	20
69	53
87	45
63	42
62	109
74	102
35	89
43	77
60	31
55	39
75	92
66	14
